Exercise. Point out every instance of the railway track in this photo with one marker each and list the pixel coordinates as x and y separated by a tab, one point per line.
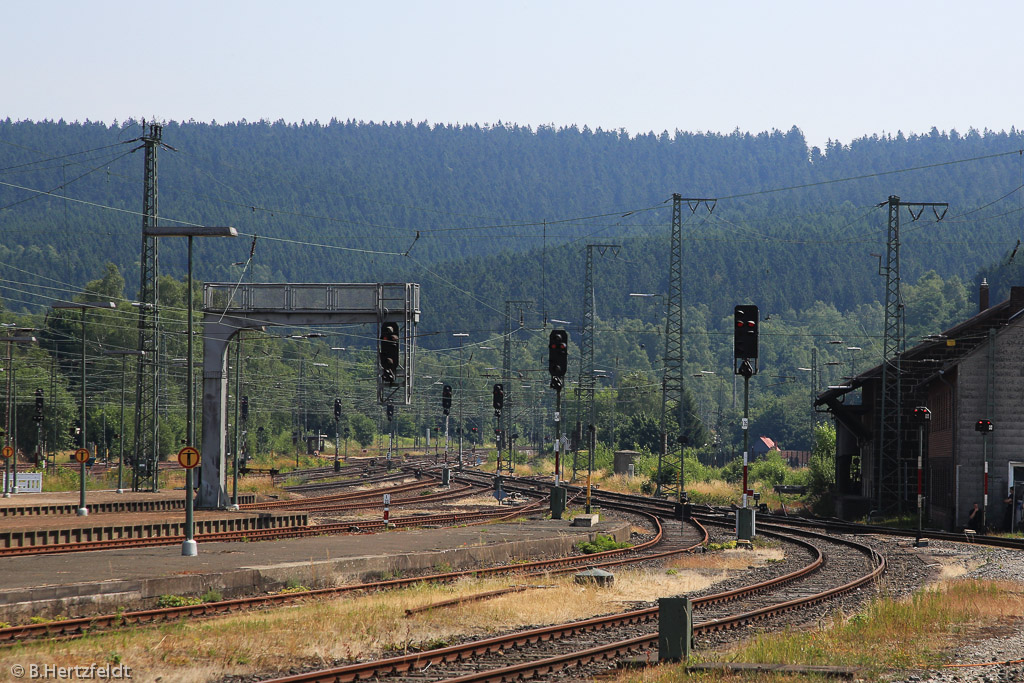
69	628
591	642
541	651
300	503
247	536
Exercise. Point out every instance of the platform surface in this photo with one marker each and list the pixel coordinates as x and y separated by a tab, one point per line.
100	581
73	497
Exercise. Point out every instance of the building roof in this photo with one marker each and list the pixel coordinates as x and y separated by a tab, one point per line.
938	352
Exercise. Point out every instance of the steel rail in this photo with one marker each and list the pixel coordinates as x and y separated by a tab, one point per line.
854	528
333	497
264	534
79	626
355	672
452	494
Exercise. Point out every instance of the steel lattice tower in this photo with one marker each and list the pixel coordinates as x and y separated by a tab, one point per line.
890	421
672	380
146	447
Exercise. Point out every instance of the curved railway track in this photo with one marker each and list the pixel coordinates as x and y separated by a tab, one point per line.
69	628
542	651
537	652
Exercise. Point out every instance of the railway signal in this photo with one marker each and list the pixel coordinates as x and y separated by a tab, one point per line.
38	416
499	399
984	427
387	352
558	353
245	408
390	410
446	399
746	320
745	330
337	409
558	363
922	416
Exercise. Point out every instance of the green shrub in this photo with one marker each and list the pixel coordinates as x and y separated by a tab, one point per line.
600	544
770	470
694	470
176	601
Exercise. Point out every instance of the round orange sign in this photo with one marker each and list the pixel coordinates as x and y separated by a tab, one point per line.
7	451
82	455
188	457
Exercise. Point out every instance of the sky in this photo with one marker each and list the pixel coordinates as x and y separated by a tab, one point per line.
836	70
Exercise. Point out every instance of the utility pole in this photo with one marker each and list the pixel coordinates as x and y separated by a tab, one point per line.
888	463
145	454
672	383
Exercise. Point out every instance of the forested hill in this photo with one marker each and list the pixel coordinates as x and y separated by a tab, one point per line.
479	215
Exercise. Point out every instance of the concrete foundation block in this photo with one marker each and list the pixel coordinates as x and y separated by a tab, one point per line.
585	520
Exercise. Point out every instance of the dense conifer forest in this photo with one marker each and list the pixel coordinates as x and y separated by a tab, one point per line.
481	215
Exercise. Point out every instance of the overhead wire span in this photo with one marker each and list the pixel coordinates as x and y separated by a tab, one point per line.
61	186
97	205
452	284
871	175
54	158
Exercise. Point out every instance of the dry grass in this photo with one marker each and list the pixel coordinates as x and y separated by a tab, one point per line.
717	492
620	483
728	560
887	636
350	627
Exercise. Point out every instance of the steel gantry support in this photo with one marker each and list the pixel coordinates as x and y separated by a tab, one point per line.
889	492
229	308
145	451
670	459
507	419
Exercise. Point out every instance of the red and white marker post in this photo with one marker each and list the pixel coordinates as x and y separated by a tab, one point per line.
387	507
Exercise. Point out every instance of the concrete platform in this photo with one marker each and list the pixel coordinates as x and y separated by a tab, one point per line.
66	502
78	584
37	519
30	532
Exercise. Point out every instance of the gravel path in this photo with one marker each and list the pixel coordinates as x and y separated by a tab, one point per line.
911	568
1006	644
